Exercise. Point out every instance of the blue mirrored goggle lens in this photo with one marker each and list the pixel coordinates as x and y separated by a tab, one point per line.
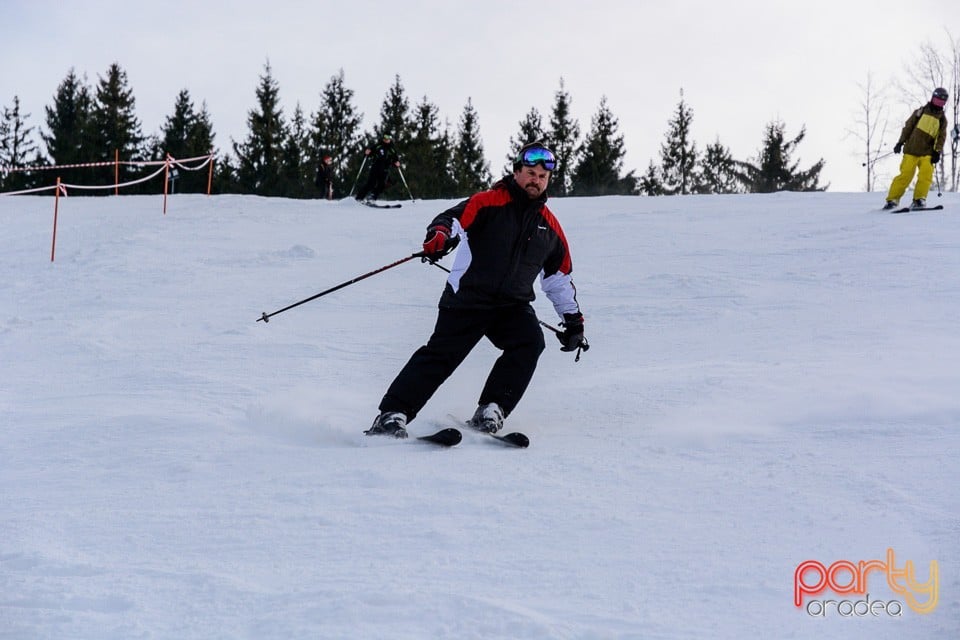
539	155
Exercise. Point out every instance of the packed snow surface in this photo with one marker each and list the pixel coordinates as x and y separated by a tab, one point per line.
772	379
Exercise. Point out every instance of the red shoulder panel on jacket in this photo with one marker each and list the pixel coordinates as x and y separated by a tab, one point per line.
491	198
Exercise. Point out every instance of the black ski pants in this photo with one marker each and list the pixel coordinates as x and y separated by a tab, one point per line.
376	182
513	329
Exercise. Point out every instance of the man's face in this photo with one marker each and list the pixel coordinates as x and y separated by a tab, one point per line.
533	180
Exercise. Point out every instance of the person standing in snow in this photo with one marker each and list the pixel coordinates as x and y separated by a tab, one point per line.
324	180
383	156
507	237
921	141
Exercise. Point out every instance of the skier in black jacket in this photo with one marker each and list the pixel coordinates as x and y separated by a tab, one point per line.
507	237
325	177
383	156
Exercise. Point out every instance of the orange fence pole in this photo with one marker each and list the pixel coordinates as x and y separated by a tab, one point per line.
56	207
166	181
116	172
210	175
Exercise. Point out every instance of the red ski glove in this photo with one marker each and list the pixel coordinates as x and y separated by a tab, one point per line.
437	243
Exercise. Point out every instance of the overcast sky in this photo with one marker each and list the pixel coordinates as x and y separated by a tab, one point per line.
740	67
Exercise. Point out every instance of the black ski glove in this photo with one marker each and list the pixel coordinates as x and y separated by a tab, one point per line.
437	243
897	148
935	157
571	338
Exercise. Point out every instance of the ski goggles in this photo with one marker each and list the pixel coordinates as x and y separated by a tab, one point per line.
938	101
538	155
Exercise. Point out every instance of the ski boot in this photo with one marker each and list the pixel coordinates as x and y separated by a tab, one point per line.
389	423
488	418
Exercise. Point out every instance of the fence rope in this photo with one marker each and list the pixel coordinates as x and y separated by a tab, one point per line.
116	186
104	163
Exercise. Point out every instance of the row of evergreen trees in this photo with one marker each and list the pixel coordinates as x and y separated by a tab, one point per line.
683	169
280	153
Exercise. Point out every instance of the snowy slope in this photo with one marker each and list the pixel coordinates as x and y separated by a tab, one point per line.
772	379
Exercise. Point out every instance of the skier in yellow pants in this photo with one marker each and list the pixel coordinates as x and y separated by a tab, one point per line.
921	141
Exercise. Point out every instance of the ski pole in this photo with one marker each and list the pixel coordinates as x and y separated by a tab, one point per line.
266	316
878	158
939	189
358	176
400	171
585	346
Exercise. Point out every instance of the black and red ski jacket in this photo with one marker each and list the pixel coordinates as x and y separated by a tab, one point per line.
506	241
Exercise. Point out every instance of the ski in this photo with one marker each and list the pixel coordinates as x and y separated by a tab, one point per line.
908	209
376	205
514	439
448	437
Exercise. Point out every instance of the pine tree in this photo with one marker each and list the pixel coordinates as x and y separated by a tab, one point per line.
200	143
773	171
294	163
187	134
601	159
17	148
563	138
471	171
69	125
531	130
650	183
176	127
427	161
443	158
259	156
395	115
225	175
679	155
718	170
116	127
335	132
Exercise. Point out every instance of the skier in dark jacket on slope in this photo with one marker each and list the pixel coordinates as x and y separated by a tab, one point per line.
382	156
507	237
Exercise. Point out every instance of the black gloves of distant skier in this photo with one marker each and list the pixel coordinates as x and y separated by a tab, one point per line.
897	148
437	243
935	157
571	338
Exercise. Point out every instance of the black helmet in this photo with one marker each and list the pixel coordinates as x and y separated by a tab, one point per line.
939	96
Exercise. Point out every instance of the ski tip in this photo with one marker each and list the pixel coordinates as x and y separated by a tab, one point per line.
445	437
516	439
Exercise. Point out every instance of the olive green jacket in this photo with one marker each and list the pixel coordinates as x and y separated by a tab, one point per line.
925	131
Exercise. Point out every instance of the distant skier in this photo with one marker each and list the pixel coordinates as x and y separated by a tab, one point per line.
507	238
383	156
921	141
325	177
